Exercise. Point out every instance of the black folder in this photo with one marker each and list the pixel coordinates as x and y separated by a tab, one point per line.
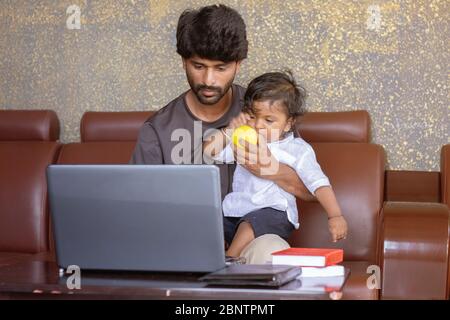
253	275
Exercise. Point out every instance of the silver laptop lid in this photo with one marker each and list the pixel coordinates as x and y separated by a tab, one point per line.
137	217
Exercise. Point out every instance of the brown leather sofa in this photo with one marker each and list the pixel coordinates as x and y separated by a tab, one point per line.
28	144
408	241
420	231
379	233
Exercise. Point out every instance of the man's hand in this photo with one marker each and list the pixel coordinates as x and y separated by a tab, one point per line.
260	162
338	228
256	158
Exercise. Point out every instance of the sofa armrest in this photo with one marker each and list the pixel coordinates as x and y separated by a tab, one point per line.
414	239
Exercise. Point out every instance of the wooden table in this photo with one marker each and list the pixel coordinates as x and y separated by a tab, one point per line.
41	279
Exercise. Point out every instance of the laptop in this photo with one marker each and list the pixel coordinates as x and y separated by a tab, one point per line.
137	217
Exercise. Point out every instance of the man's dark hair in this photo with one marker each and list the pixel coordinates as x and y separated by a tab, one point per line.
214	32
276	86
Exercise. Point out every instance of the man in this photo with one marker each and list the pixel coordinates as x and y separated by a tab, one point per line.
212	42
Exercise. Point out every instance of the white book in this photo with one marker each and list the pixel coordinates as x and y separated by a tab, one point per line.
330	271
321	284
316	284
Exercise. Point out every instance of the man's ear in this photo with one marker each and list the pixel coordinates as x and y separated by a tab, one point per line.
184	63
238	65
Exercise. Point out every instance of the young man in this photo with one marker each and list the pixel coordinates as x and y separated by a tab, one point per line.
212	42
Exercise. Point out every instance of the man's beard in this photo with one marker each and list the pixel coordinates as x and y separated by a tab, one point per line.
213	99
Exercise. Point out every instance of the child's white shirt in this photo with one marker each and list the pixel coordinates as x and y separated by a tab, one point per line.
251	193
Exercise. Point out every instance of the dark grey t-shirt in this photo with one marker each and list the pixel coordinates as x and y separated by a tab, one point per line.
160	142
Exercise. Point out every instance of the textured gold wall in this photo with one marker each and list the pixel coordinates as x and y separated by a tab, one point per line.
388	57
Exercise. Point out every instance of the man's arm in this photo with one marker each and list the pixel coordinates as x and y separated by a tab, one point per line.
266	166
288	180
147	149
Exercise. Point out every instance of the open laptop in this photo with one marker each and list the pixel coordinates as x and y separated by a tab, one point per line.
137	217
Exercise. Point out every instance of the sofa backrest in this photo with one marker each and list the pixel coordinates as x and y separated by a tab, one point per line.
28	144
343	126
106	138
29	125
355	168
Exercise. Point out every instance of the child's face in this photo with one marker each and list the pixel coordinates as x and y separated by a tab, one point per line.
270	119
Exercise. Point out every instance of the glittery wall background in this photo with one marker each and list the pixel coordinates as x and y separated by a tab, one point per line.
388	57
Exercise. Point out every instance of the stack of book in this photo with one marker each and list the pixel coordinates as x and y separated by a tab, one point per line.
315	262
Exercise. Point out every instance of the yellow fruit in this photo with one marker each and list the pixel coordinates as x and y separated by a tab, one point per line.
245	133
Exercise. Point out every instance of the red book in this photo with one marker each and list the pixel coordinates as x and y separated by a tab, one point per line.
308	257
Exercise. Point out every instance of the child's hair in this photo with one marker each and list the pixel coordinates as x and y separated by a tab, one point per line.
215	32
277	86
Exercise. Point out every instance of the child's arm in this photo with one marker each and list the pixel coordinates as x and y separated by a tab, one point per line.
336	221
218	140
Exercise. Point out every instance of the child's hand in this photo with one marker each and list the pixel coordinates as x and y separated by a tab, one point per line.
338	228
238	121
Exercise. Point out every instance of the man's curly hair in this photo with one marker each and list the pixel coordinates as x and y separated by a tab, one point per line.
214	32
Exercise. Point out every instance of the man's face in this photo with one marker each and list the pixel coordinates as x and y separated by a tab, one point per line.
210	80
